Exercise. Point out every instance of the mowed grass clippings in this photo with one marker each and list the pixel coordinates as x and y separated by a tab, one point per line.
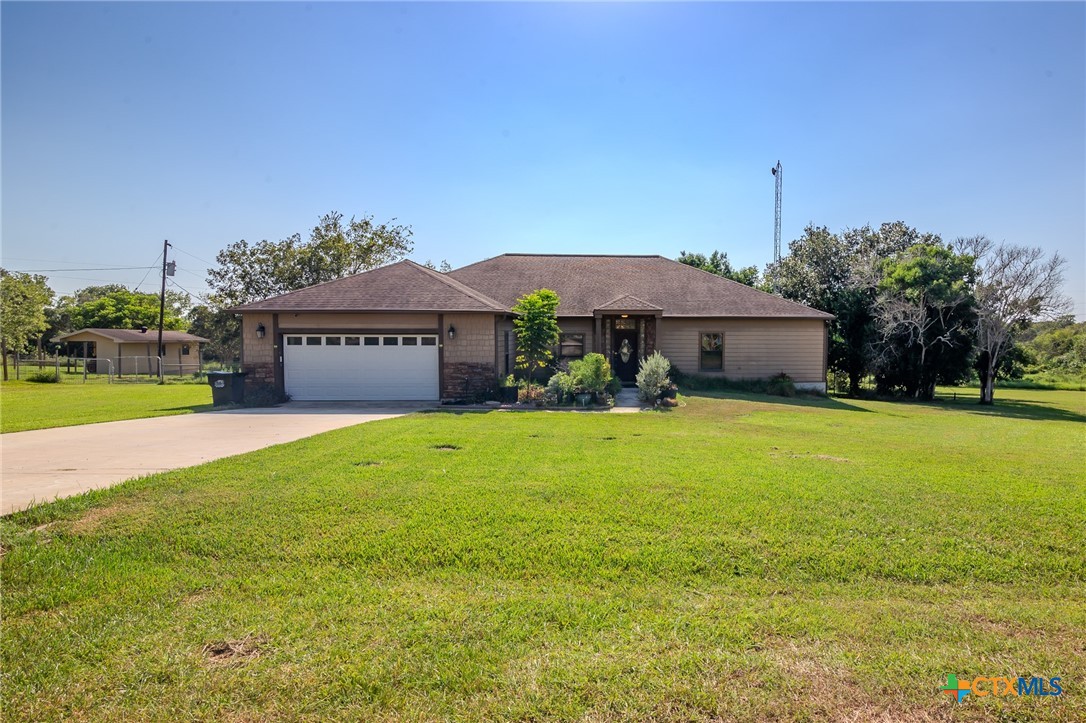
27	405
739	558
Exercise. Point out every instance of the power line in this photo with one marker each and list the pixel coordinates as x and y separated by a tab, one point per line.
96	268
153	266
203	261
53	261
174	283
83	278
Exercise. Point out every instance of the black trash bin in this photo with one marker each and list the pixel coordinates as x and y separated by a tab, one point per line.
227	387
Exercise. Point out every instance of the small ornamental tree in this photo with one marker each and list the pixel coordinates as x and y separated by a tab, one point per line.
536	325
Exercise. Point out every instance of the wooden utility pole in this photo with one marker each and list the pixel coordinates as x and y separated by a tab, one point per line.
161	311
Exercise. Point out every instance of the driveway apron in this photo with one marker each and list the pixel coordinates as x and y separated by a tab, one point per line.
46	464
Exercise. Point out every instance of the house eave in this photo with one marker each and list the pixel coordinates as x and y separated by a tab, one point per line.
276	310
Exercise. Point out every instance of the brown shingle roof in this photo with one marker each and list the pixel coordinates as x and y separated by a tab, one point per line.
628	303
135	335
587	283
402	286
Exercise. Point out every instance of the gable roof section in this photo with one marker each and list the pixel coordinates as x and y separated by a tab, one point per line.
627	303
128	336
402	286
586	283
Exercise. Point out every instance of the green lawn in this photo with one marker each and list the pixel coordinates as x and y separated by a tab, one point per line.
739	558
27	405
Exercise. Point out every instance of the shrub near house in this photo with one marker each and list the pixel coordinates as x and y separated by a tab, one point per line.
652	378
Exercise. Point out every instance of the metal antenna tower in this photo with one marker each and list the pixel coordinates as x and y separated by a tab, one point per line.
778	174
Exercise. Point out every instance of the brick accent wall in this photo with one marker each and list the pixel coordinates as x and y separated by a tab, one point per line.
469	356
259	374
464	380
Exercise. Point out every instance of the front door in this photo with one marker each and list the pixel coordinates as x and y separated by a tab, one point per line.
624	356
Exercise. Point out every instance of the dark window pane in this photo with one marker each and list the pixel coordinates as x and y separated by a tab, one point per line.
351	340
429	341
410	341
184	350
712	352
392	340
371	340
571	345
294	341
313	341
332	340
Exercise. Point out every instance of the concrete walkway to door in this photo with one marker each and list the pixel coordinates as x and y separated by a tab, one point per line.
44	464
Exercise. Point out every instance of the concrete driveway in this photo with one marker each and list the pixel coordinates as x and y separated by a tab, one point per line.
45	464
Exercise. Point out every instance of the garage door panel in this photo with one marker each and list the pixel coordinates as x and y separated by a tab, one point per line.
387	371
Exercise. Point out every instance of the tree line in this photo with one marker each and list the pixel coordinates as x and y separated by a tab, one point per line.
335	247
910	310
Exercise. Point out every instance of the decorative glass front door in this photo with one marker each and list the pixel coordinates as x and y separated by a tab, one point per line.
624	356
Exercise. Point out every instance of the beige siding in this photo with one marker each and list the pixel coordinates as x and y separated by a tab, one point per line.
753	348
253	349
570	325
87	336
474	341
124	355
106	349
132	357
138	357
178	363
302	322
580	326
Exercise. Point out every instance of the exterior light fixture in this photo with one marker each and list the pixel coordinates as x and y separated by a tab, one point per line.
260	331
625	316
452	331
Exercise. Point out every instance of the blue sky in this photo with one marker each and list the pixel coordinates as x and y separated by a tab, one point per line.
600	128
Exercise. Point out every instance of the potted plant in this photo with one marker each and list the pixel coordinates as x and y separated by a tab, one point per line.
591	374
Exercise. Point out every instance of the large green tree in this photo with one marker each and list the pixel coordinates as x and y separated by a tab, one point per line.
1057	346
536	326
840	274
925	313
718	263
23	300
116	307
221	328
336	248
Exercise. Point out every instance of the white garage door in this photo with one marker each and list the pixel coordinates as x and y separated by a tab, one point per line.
346	367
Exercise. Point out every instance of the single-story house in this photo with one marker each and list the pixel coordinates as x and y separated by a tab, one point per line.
132	351
407	332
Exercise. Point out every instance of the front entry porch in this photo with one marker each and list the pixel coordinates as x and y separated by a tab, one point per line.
624	339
